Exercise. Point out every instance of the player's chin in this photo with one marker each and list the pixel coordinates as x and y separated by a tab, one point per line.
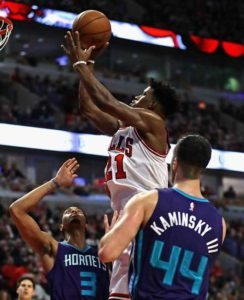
76	220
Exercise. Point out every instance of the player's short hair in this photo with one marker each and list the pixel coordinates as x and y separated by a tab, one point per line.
29	277
193	152
166	95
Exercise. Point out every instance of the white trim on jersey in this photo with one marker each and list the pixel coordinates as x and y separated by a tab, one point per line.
148	147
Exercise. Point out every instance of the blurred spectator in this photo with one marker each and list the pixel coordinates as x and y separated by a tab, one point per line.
13	178
12	272
26	287
16	75
13	172
236	111
4	295
230	193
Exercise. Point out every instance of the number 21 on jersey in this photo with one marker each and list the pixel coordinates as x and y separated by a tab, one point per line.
119	171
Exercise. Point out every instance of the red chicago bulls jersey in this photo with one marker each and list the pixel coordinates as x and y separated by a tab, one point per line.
133	167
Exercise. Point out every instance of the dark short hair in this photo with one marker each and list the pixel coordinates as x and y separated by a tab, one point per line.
166	95
26	277
193	151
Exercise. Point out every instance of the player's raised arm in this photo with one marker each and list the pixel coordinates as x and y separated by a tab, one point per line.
40	241
147	117
135	214
100	119
139	118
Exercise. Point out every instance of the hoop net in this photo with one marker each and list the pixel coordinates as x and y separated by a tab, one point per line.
6	27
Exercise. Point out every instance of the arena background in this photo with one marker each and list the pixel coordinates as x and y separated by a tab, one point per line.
198	46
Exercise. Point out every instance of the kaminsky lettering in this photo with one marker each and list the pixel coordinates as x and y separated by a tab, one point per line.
180	219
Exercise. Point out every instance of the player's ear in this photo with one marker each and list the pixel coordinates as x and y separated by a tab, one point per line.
18	290
152	104
174	164
61	228
173	170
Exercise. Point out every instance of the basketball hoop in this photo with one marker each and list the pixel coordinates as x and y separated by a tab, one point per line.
6	27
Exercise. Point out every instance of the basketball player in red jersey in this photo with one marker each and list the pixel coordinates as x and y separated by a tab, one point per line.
139	144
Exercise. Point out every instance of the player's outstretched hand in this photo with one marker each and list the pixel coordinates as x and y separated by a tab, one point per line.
67	172
73	48
115	218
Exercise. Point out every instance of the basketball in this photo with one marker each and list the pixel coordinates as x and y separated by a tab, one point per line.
94	28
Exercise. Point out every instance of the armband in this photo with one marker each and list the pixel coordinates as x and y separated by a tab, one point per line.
79	62
57	186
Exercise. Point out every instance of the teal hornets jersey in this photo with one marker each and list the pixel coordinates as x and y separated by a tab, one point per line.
78	274
173	254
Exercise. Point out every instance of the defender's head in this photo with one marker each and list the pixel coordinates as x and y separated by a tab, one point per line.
73	218
26	287
191	156
159	97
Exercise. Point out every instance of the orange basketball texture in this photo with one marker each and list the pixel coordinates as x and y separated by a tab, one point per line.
94	28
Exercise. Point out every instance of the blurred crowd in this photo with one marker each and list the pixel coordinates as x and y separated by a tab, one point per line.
225	285
234	242
217	19
236	111
205	119
58	109
222	20
17	258
13	179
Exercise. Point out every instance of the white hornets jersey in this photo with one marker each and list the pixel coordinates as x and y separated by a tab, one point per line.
133	167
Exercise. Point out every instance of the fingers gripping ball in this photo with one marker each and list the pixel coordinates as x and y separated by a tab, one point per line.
94	28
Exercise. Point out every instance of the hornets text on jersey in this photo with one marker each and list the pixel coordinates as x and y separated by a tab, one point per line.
78	274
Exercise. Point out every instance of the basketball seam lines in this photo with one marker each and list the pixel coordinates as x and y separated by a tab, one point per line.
94	33
90	22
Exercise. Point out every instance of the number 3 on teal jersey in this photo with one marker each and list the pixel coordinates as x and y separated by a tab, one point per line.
88	284
184	265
